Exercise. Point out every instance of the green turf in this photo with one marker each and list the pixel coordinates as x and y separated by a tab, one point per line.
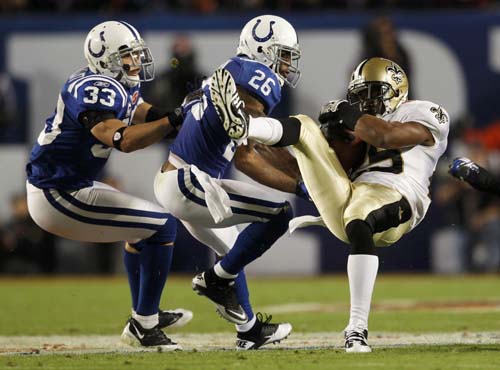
415	358
100	306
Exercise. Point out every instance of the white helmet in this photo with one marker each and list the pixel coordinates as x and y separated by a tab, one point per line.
271	40
106	45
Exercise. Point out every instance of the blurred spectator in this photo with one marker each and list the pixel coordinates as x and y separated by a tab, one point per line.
380	40
25	248
180	78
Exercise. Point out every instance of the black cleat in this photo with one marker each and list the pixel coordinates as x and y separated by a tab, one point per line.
174	318
222	292
356	341
262	333
228	104
135	335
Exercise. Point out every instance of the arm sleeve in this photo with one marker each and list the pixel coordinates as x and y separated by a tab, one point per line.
430	115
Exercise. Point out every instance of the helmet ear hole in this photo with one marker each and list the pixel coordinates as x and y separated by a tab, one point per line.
259	49
102	64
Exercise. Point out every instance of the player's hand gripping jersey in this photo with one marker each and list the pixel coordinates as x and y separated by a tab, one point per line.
67	155
202	140
409	170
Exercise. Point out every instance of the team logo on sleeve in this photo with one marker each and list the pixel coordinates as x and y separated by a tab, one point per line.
395	72
439	114
265	38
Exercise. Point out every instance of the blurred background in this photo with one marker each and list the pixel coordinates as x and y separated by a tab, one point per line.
449	48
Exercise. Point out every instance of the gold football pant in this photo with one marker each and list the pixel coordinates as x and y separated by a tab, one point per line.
338	200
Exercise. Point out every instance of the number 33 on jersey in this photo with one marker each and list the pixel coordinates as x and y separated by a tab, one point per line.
78	160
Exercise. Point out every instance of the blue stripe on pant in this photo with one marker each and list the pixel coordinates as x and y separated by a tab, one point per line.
104	222
184	188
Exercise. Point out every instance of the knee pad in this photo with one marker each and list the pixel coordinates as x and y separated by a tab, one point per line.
166	234
360	236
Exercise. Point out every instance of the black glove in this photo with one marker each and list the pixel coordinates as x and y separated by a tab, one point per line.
339	113
176	117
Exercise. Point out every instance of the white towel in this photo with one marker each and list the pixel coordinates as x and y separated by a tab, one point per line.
216	197
304	221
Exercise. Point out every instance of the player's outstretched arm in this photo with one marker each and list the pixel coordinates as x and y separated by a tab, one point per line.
391	135
478	177
113	133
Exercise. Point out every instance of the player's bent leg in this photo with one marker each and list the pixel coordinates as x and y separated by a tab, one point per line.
387	212
98	214
101	213
322	172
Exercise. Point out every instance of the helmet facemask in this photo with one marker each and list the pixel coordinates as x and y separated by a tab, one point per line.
372	97
139	57
285	63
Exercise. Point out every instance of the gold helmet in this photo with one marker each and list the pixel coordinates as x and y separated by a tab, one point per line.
378	85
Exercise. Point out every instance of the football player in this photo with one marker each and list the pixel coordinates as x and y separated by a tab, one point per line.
190	183
387	195
100	108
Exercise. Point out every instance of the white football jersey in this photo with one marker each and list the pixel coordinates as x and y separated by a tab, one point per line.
409	170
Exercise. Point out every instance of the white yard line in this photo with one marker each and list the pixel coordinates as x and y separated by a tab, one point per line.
10	345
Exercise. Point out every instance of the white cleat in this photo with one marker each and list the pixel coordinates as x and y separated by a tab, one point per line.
228	104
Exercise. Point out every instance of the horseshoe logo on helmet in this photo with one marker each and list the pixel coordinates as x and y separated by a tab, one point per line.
269	34
100	53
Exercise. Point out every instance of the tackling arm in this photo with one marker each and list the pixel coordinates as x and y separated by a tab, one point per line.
141	113
112	132
248	160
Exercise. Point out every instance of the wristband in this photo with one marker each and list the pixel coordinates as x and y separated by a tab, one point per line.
118	137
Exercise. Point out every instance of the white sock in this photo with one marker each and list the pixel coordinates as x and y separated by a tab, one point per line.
265	130
220	272
362	272
246	326
147	322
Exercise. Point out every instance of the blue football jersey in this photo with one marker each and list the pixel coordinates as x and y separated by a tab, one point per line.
202	140
67	155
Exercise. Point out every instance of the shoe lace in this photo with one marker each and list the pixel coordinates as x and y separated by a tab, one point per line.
265	323
352	336
264	319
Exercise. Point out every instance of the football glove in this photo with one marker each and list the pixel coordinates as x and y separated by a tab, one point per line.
339	113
